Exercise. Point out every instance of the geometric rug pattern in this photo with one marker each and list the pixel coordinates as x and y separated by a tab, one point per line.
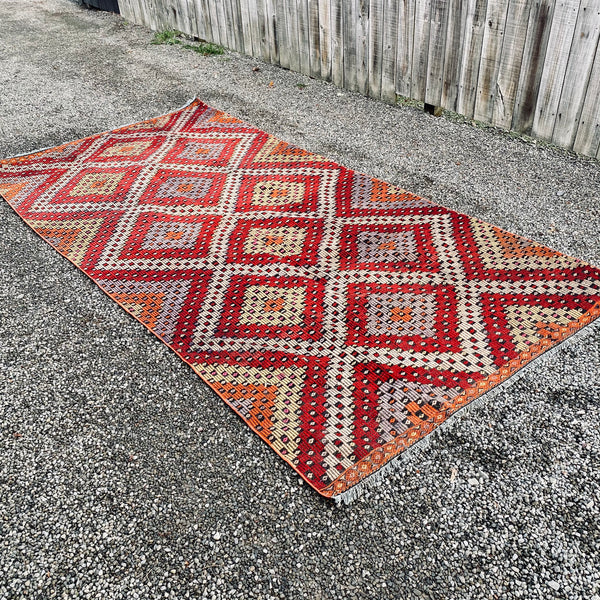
342	318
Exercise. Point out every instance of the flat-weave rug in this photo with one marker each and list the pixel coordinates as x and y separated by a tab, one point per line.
342	318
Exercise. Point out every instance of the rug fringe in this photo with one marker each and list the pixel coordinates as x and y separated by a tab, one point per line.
416	450
103	132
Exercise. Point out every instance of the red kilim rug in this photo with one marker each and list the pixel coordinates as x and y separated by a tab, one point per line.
343	319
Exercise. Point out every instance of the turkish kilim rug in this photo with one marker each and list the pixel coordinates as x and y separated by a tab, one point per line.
342	318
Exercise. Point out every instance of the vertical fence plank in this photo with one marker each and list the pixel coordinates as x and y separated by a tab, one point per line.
149	13
219	21
509	69
534	53
179	16
361	27
452	54
194	23
248	14
128	11
474	26
303	36
437	47
376	18
390	42
160	16
271	31
282	33
350	19
214	22
555	66
579	67
260	41
314	40
242	38
237	25
132	11
234	25
257	21
420	50
405	50
292	32
325	38
490	53
337	50
227	23
202	21
587	140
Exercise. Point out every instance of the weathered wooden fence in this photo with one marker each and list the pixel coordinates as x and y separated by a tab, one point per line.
528	65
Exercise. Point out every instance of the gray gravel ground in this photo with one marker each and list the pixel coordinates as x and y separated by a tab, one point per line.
123	476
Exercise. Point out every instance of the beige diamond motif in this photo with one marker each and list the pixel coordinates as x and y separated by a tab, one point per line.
273	306
277	241
278	193
97	184
126	149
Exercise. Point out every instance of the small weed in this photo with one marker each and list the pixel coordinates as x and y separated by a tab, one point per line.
168	36
301	86
405	101
205	48
171	37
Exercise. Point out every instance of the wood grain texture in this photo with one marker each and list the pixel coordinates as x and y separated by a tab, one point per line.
511	60
420	50
438	28
489	66
375	47
337	48
292	23
455	34
529	65
203	20
474	24
271	31
579	67
587	140
325	38
555	67
363	24
314	46
248	20
237	25
304	49
261	41
350	20
405	49
532	64
282	33
390	42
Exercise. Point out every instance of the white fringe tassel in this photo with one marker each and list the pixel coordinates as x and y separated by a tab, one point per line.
416	450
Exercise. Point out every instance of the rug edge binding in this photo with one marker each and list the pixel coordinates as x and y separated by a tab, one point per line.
415	451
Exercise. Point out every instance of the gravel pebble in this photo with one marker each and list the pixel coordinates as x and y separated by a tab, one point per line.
122	476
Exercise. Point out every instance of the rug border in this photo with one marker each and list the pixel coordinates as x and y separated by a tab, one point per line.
501	379
414	437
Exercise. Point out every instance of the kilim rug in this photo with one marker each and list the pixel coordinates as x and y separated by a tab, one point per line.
342	318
